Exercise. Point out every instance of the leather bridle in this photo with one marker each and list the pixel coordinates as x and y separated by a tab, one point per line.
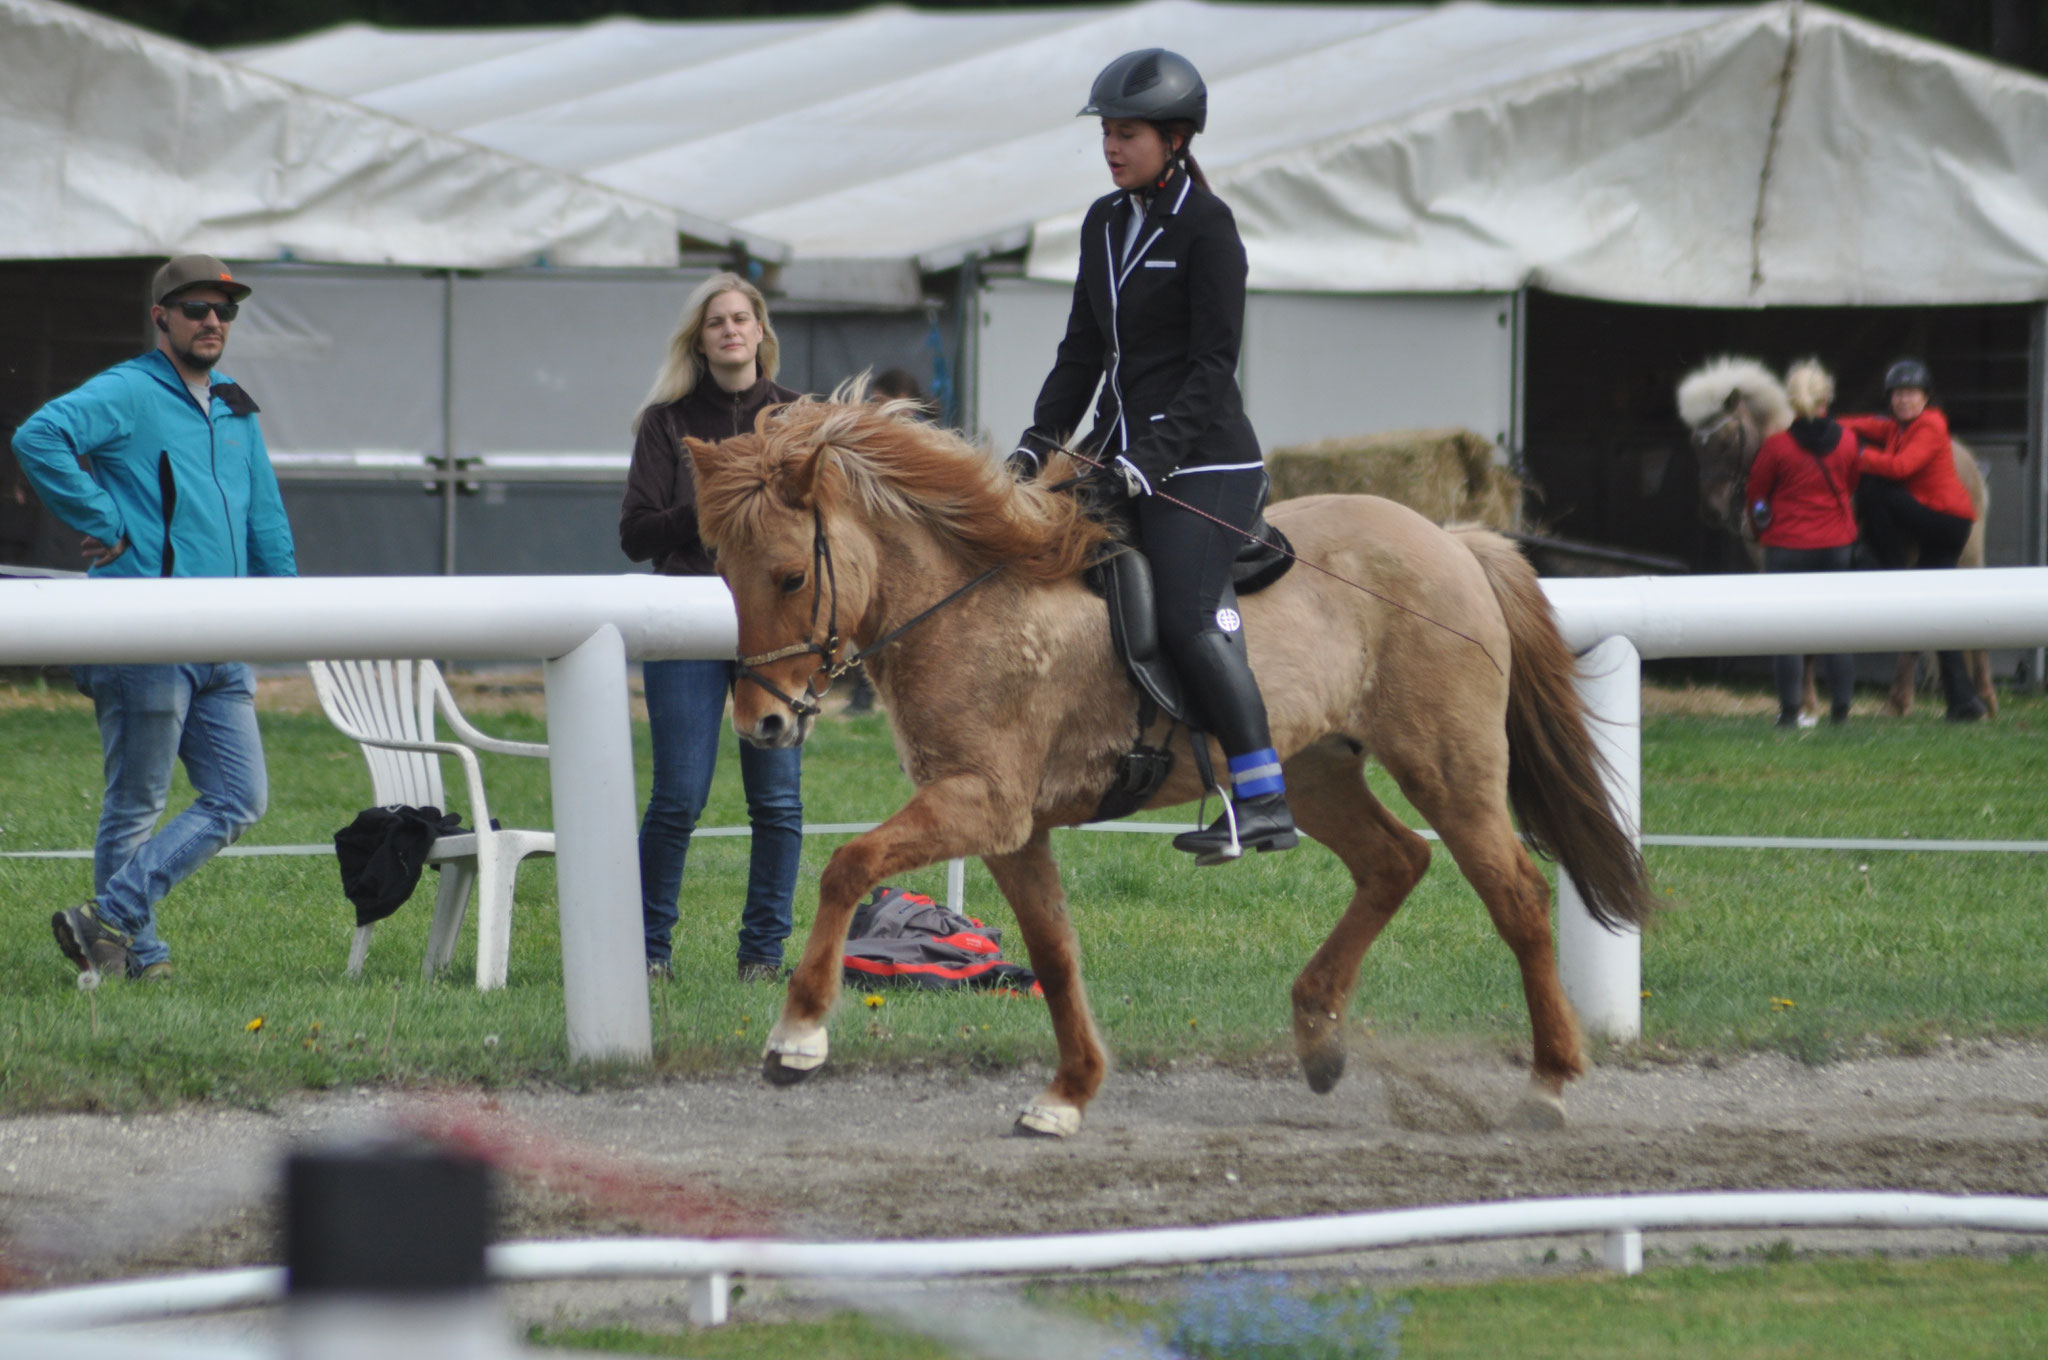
1708	430
830	668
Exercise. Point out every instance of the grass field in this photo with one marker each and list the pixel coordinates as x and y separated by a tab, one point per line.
1889	949
1779	1308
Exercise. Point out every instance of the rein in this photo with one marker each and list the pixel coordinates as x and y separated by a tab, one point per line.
1249	537
823	576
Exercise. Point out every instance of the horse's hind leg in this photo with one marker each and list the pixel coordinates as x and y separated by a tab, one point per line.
1980	675
1464	797
1327	791
1031	882
1905	679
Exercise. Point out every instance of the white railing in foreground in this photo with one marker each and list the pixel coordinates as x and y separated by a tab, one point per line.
709	1263
585	627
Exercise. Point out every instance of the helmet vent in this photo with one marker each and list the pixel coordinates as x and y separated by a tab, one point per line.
1142	76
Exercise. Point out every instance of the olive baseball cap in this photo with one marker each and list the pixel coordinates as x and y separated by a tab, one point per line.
190	271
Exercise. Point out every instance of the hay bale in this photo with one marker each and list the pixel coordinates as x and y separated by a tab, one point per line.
1447	474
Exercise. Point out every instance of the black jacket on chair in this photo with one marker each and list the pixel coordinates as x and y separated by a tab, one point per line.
1160	328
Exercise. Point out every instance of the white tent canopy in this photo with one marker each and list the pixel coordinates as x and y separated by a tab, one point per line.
119	143
1627	153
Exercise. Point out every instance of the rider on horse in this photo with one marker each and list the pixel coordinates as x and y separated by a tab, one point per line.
1157	317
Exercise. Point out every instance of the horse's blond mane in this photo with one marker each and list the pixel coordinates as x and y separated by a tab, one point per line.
891	466
1702	392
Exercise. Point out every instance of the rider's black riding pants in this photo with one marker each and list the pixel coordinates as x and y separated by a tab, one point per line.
1198	619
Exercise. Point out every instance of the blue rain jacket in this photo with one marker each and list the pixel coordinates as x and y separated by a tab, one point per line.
129	454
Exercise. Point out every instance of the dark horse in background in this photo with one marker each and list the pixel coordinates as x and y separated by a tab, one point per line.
1732	405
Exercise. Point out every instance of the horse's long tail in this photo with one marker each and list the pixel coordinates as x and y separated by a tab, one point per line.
1554	769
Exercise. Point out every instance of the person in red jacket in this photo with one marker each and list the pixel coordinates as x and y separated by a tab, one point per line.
1910	498
1801	487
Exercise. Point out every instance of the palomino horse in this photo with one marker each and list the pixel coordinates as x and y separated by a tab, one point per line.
1732	405
1436	653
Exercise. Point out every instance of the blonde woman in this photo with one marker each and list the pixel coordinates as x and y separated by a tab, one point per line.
1802	497
718	375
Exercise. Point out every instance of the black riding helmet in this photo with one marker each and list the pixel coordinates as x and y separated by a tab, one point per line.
1153	84
1908	373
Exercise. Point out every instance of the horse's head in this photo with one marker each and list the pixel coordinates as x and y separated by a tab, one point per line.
1731	405
799	512
800	572
1724	445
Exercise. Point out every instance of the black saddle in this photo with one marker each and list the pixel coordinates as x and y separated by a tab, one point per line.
1123	578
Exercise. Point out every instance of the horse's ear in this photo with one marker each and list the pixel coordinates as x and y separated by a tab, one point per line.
702	453
800	479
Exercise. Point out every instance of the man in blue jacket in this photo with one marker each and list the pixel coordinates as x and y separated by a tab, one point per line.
159	462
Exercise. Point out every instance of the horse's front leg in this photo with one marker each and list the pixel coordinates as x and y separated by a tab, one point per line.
1031	882
943	820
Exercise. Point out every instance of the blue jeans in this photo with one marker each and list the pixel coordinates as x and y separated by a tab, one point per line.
686	719
150	717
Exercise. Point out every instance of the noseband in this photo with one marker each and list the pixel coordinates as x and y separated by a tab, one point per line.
823	577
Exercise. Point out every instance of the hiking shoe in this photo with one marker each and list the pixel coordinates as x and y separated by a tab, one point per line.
1263	823
91	944
751	971
660	970
160	971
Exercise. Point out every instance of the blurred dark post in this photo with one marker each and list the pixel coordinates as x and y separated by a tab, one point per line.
384	1253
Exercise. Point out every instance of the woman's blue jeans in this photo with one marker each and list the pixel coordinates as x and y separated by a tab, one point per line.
150	718
686	721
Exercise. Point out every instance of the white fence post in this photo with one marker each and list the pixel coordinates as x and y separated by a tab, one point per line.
590	755
1602	970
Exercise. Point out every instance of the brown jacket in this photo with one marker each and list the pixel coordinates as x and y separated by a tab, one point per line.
658	519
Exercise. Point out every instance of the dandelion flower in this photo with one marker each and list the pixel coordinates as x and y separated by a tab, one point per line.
874	1001
254	1025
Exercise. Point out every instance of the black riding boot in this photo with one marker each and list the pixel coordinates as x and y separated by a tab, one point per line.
1258	823
1959	689
1227	694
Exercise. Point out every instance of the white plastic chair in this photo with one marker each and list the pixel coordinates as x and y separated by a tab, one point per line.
388	706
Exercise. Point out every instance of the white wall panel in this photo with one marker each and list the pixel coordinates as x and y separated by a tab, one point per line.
1319	366
1313	366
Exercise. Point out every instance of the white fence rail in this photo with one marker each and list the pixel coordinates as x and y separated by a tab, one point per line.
710	1263
585	628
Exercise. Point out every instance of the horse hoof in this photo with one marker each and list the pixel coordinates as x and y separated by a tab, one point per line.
793	1053
780	1072
1538	1112
1324	1068
1042	1119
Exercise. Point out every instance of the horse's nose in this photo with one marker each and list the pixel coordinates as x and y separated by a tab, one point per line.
768	731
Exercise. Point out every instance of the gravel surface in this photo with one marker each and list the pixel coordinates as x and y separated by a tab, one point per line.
919	1152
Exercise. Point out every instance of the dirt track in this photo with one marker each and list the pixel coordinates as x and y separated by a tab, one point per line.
919	1153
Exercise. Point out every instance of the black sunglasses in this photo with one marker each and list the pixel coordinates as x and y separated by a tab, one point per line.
196	311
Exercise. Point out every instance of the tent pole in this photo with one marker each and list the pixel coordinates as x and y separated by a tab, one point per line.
448	485
2034	551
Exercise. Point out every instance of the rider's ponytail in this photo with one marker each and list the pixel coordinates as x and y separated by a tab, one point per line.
1184	130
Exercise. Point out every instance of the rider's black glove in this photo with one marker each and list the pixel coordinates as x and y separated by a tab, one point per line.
1117	480
1030	456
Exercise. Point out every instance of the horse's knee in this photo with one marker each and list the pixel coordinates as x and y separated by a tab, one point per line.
847	875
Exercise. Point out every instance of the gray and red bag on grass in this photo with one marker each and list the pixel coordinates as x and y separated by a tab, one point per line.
905	939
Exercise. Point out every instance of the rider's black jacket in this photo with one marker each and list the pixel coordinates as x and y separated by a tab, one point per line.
1160	326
